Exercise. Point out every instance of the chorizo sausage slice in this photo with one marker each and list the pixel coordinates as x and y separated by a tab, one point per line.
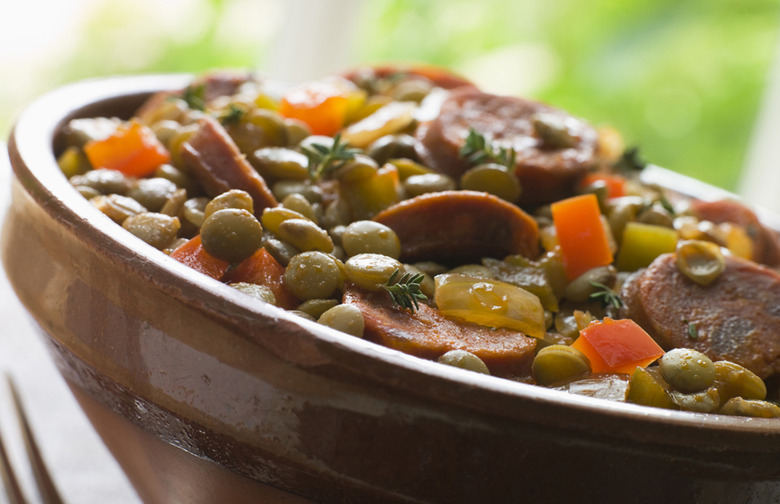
455	227
547	172
428	334
213	159
735	318
766	241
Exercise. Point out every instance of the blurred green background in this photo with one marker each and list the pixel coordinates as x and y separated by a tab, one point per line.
682	80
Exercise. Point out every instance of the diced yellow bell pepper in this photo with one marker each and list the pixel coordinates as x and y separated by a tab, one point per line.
642	243
387	120
366	197
491	303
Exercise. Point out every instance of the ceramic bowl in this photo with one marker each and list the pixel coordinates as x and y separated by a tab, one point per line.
204	396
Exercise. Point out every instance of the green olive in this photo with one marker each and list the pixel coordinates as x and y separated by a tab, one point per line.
258	128
346	318
231	234
559	363
750	408
73	162
416	185
369	237
104	181
704	401
492	178
371	271
428	285
361	167
280	163
297	130
733	380
393	147
80	131
117	207
88	192
580	289
305	188
316	307
175	204
474	270
621	211
647	389
165	130
313	275
701	261
553	131
464	360
687	370
656	215
194	211
279	250
234	198
152	193
260	292
411	90
304	235
156	229
299	204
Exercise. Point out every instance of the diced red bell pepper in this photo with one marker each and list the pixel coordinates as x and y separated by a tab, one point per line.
617	346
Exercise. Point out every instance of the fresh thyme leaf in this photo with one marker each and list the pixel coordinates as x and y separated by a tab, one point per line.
324	159
478	150
195	96
630	161
693	331
406	290
232	115
666	205
607	296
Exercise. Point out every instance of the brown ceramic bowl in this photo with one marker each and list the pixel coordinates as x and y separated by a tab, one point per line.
206	397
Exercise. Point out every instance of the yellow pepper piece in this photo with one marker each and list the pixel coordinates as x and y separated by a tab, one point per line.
389	119
366	197
491	303
642	243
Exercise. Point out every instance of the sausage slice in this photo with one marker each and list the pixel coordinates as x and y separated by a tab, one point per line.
428	334
455	227
213	159
766	241
547	172
736	317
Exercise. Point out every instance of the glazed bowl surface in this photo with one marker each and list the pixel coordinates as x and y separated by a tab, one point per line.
204	395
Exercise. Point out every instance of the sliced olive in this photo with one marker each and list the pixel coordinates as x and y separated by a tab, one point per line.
313	275
701	261
559	363
364	237
234	198
687	370
646	389
750	408
464	360
305	235
316	307
371	271
492	178
733	380
260	292
156	229
231	234
416	185
345	318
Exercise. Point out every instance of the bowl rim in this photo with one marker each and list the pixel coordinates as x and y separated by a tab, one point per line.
31	150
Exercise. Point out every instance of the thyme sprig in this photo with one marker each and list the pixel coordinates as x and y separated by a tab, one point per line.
478	150
324	159
630	161
232	114
605	295
691	329
194	96
405	291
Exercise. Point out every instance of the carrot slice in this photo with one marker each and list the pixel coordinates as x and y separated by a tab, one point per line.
193	255
261	268
581	235
323	105
617	346
133	150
